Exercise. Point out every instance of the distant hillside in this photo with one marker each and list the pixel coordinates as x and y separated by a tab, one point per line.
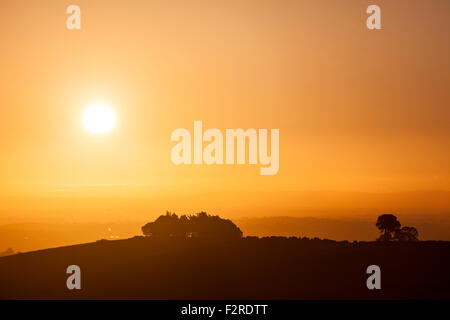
35	236
146	268
360	230
233	204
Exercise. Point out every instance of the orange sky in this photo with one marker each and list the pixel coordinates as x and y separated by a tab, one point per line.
358	110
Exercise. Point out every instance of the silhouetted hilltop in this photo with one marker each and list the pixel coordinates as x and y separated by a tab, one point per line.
247	268
36	236
361	230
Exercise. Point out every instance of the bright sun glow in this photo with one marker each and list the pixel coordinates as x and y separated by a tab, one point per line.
99	119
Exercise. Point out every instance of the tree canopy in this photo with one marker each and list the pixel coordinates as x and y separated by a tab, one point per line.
391	229
199	225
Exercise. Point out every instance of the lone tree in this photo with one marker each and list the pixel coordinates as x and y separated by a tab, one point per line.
387	223
391	229
200	225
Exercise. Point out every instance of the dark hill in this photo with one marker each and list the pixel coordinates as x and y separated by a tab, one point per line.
269	268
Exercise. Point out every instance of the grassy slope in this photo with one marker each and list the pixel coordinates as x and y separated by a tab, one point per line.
144	268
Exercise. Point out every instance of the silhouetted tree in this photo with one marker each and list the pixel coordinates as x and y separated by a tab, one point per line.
391	231
199	225
406	234
388	224
168	225
207	226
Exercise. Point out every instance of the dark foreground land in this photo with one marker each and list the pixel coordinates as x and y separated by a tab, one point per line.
269	268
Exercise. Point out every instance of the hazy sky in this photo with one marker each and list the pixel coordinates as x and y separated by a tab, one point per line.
358	110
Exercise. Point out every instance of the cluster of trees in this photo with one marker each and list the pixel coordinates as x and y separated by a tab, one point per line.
200	225
391	229
203	225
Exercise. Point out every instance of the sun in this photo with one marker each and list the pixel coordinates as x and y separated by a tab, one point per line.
99	119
